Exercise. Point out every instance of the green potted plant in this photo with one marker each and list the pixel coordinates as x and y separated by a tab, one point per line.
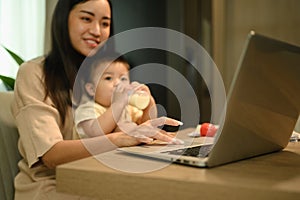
8	81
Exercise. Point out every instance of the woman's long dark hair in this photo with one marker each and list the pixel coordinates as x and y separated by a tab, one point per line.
63	61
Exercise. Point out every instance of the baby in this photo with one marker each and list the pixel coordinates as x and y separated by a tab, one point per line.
109	90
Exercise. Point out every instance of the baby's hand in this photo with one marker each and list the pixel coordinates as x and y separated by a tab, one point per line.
120	94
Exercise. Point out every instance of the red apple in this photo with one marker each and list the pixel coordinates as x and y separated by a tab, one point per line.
208	129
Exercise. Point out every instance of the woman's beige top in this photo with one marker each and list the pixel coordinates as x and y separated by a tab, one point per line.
40	127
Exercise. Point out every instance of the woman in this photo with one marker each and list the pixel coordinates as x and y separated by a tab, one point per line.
43	104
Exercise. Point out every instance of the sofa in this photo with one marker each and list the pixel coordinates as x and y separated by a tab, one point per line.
9	154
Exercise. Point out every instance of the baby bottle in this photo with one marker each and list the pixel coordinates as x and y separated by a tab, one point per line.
139	99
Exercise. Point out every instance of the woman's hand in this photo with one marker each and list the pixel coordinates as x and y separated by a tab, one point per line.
150	130
121	139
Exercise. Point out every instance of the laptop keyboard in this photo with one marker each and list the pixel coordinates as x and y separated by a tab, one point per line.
197	151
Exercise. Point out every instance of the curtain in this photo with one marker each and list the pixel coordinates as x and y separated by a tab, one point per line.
22	30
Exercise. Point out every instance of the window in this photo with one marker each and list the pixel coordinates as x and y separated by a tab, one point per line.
22	25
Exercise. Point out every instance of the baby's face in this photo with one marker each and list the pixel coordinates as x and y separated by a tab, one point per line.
114	74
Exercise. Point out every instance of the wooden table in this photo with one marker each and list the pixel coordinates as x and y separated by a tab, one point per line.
121	176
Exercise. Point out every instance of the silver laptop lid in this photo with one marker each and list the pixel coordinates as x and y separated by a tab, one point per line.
263	102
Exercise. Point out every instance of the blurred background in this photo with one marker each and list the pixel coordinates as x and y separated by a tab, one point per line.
220	26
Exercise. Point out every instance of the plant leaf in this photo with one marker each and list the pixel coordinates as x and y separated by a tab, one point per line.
17	58
8	82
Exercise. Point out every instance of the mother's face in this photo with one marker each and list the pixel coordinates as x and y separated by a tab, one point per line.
89	25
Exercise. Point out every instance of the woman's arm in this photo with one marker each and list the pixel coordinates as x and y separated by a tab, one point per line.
71	150
63	152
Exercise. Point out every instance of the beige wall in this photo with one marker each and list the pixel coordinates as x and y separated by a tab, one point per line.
233	19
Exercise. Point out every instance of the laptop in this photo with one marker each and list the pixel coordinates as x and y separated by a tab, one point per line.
263	106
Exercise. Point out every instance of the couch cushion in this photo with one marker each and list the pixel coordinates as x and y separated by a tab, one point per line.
9	154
